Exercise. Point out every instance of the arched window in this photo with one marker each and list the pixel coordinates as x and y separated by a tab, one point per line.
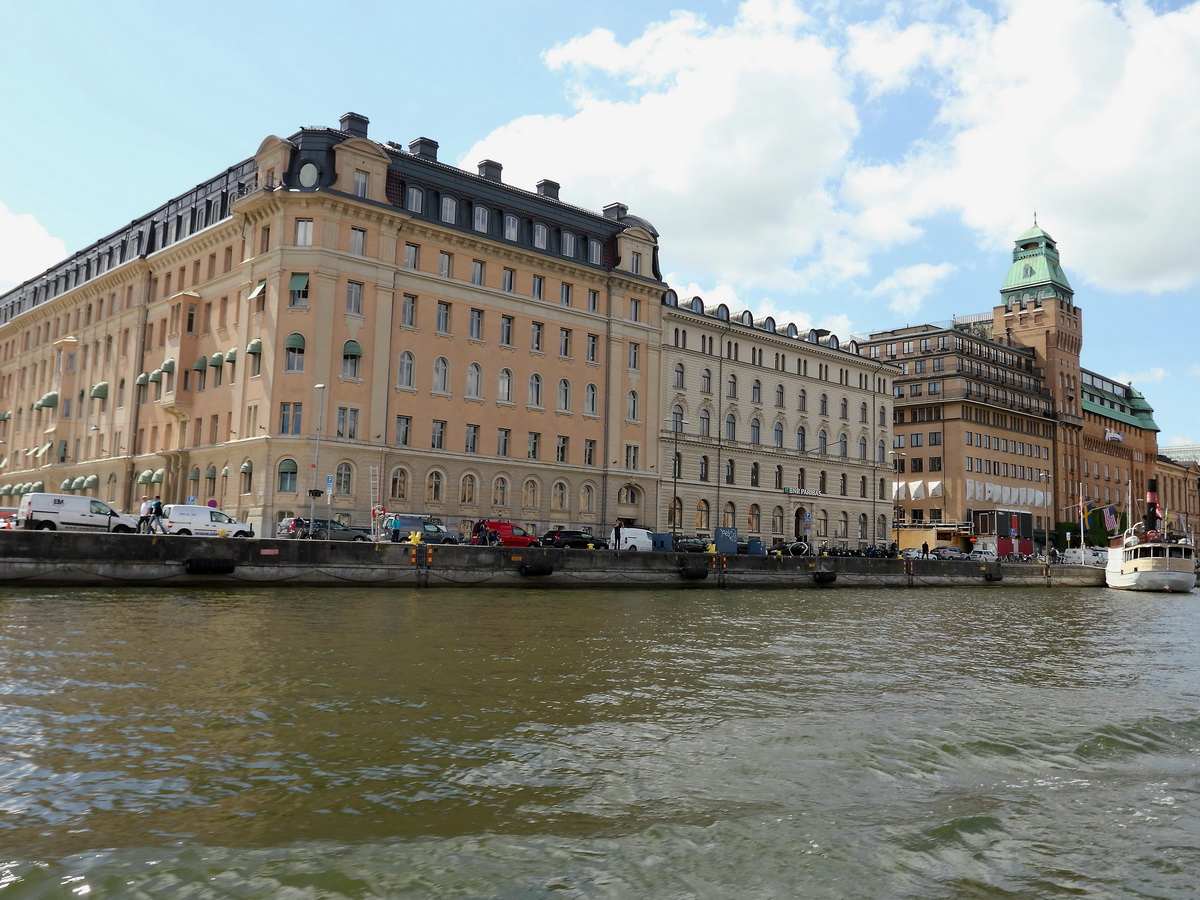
589	400
564	395
823	524
705	428
778	433
729	471
862	527
702	518
729	516
756	391
558	495
504	386
703	468
800	441
706	382
466	490
862	486
755	432
779	478
730	427
587	497
474	381
629	495
731	390
433	487
862	448
779	396
822	485
679	376
343	479
842	484
862	413
879	452
802	401
631	406
675	513
500	491
843	525
777	520
287	476
822	442
399	483
824	407
800	475
754	474
842	445
529	494
882	415
882	489
535	390
404	370
441	375
844	412
754	519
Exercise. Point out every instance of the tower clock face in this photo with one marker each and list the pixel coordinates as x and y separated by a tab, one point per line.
309	174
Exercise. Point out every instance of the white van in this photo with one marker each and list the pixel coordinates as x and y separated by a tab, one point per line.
631	539
67	512
1086	556
178	518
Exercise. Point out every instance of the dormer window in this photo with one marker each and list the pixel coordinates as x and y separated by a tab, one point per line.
540	235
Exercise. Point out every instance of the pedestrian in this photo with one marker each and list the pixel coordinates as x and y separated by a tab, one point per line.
617	535
394	525
143	525
493	538
156	514
924	549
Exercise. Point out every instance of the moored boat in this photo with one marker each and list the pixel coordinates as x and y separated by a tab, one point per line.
1151	557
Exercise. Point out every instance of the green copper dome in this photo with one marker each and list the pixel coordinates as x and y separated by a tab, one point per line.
1035	269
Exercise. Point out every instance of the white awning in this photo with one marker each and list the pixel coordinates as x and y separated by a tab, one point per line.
935	489
898	490
917	489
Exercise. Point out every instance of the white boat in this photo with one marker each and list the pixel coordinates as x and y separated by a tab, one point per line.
1150	557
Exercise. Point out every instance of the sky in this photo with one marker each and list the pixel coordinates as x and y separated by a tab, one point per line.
858	166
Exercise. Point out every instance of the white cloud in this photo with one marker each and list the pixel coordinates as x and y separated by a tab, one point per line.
28	248
908	286
1137	379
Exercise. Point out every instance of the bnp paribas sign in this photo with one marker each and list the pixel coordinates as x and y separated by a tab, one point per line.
803	492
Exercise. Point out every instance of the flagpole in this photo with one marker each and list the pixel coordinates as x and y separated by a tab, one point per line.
1081	542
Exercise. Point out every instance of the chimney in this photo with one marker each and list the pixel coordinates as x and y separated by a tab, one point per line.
424	147
355	124
548	188
490	169
616	211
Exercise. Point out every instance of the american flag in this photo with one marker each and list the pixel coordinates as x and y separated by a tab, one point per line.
1110	518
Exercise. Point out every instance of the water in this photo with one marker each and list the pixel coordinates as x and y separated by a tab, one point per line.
980	743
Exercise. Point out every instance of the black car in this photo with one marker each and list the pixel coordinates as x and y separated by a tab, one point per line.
690	544
578	540
323	530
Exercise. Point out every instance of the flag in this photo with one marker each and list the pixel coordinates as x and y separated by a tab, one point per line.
1110	518
1081	506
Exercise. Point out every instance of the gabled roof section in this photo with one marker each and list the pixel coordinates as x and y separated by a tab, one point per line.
1036	265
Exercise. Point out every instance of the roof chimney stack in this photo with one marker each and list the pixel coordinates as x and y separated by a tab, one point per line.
355	125
548	188
424	147
490	169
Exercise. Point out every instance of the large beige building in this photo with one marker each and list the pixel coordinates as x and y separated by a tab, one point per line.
352	317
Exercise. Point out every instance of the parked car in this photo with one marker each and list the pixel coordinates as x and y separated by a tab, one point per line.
431	532
8	517
947	552
322	530
691	544
69	512
910	553
507	534
632	538
983	555
791	548
566	538
179	518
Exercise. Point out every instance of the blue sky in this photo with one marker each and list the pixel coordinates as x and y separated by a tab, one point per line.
852	165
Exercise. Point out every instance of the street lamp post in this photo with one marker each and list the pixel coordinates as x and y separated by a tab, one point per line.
312	494
895	529
1049	479
677	423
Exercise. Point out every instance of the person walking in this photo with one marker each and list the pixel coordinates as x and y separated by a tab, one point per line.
143	525
617	535
925	549
156	514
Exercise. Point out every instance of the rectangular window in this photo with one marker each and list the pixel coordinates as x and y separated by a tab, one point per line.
539	285
535	440
449	210
560	452
594	251
631	456
347	423
635	263
408	311
443	317
503	439
593	347
568	244
358	241
298	290
564	342
589	452
506	283
445	264
354	292
304	232
414	199
412	256
477	324
511	227
635	310
476	272
437	438
506	330
540	235
361	182
403	430
471	442
564	294
633	356
481	218
290	417
593	301
535	337
264	239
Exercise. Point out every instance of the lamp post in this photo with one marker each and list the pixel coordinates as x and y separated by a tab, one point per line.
895	528
1048	478
312	494
677	422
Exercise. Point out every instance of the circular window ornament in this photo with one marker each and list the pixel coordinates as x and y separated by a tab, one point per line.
309	173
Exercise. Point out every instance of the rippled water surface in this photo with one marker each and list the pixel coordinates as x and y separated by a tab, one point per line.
979	743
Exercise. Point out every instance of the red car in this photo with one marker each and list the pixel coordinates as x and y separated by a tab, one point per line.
506	535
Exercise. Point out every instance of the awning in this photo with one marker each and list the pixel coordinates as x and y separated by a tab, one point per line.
61	450
210	472
254	347
351	348
3	462
156	376
5	416
78	483
100	390
146	476
50	400
917	490
294	342
247	467
168	365
38	487
5	490
92	481
194	475
42	452
935	489
898	492
298	281
225	471
158	476
66	485
231	355
200	364
216	360
142	380
262	286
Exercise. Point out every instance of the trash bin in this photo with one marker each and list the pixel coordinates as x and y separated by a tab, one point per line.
756	548
661	540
